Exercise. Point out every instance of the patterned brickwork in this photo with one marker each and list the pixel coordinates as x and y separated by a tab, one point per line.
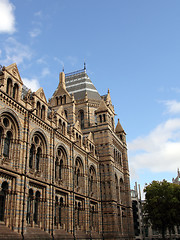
63	165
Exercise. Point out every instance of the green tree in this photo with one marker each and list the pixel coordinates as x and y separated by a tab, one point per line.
162	205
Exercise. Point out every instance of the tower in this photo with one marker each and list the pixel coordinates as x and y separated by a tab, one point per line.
63	164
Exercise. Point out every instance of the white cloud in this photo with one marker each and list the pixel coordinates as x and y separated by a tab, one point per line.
45	72
59	61
7	18
15	52
38	14
42	61
173	106
73	60
175	89
35	32
33	84
160	150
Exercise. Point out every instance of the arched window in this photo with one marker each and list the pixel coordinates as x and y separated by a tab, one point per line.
64	99
8	135
117	187
61	161
36	207
91	183
100	118
31	155
61	100
29	206
78	172
56	169
81	118
37	150
38	109
77	177
43	112
7	142
65	111
9	86
1	136
92	180
122	190
60	169
63	128
38	156
15	91
3	193
76	136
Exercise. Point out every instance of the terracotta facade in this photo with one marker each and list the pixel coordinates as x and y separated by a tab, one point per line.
63	165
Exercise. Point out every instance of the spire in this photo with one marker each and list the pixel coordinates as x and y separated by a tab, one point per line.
119	128
108	99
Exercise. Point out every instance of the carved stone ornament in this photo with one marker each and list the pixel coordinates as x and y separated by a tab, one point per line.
15	71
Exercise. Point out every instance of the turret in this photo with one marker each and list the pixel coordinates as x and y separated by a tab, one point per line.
120	132
62	80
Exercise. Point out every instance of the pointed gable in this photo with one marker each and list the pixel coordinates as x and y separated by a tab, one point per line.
40	93
61	112
14	72
119	128
90	137
102	107
77	126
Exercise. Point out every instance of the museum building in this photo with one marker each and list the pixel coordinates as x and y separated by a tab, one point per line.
63	163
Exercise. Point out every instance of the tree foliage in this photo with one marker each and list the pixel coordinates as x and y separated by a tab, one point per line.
162	205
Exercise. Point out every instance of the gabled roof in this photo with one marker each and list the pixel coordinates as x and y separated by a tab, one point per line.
13	70
40	94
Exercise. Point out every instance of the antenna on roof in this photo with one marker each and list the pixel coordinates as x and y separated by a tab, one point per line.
84	65
63	68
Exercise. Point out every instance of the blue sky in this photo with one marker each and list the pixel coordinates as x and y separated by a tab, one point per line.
131	47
